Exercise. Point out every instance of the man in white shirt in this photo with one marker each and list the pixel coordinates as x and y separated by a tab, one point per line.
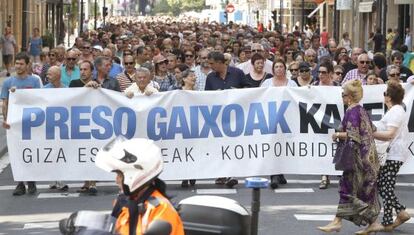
247	66
142	84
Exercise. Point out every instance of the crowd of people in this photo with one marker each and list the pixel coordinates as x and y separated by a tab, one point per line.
142	57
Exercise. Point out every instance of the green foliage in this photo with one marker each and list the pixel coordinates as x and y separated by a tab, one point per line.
175	7
48	40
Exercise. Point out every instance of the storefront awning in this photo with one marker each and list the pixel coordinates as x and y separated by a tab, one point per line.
365	7
316	10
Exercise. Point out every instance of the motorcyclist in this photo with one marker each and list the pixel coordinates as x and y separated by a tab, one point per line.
137	163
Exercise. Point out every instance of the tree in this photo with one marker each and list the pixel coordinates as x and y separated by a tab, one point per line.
175	7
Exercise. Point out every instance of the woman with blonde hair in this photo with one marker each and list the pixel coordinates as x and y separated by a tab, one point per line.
358	194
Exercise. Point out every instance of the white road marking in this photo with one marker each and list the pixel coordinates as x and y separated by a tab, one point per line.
315	217
57	195
38	218
294	190
216	191
43	225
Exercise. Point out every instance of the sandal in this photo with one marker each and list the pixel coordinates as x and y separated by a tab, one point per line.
324	184
83	189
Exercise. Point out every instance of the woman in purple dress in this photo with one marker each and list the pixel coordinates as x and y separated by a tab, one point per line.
358	193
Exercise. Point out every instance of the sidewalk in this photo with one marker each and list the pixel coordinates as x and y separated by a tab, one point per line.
3	139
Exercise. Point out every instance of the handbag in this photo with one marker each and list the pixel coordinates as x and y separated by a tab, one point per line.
383	147
344	155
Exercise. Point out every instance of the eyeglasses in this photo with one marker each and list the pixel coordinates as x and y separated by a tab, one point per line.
394	74
189	56
339	73
293	70
385	93
364	62
254	51
69	58
323	72
304	70
128	63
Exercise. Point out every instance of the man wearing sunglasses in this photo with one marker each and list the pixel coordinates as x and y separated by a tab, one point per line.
70	70
397	59
126	78
361	71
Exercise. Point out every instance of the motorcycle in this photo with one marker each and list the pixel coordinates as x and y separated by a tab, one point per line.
201	215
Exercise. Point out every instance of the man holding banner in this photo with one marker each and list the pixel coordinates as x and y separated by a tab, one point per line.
223	77
22	80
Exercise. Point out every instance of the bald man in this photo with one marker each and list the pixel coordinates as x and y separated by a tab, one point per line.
54	77
70	70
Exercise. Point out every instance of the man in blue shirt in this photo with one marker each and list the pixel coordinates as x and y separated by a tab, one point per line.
70	71
223	77
115	68
22	80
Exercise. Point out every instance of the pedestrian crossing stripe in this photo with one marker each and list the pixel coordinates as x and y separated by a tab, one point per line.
294	190
216	191
316	217
57	195
42	225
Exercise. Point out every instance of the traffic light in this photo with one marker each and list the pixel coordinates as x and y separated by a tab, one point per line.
105	11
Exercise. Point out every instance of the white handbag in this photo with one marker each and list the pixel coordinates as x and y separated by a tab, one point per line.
383	147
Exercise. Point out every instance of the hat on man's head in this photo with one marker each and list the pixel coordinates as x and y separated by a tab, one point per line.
98	47
304	65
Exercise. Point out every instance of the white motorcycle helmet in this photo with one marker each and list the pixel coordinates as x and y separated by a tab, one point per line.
138	159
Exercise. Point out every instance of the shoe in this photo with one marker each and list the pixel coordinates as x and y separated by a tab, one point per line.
282	179
324	182
221	181
192	182
231	182
31	188
332	227
19	190
64	188
402	217
373	228
92	191
274	181
54	185
83	189
184	184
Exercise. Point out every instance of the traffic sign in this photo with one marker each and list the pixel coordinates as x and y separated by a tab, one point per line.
230	8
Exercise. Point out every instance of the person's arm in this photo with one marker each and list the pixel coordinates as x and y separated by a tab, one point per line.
387	135
339	136
4	109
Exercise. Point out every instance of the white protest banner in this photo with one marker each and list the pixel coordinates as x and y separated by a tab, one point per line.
55	133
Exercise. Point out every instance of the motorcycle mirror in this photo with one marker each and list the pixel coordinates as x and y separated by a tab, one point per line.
159	227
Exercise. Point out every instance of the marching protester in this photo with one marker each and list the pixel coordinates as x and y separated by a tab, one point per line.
393	129
9	49
279	79
223	77
358	194
70	69
22	80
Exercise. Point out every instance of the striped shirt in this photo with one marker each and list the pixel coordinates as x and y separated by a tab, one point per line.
201	78
354	74
125	80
